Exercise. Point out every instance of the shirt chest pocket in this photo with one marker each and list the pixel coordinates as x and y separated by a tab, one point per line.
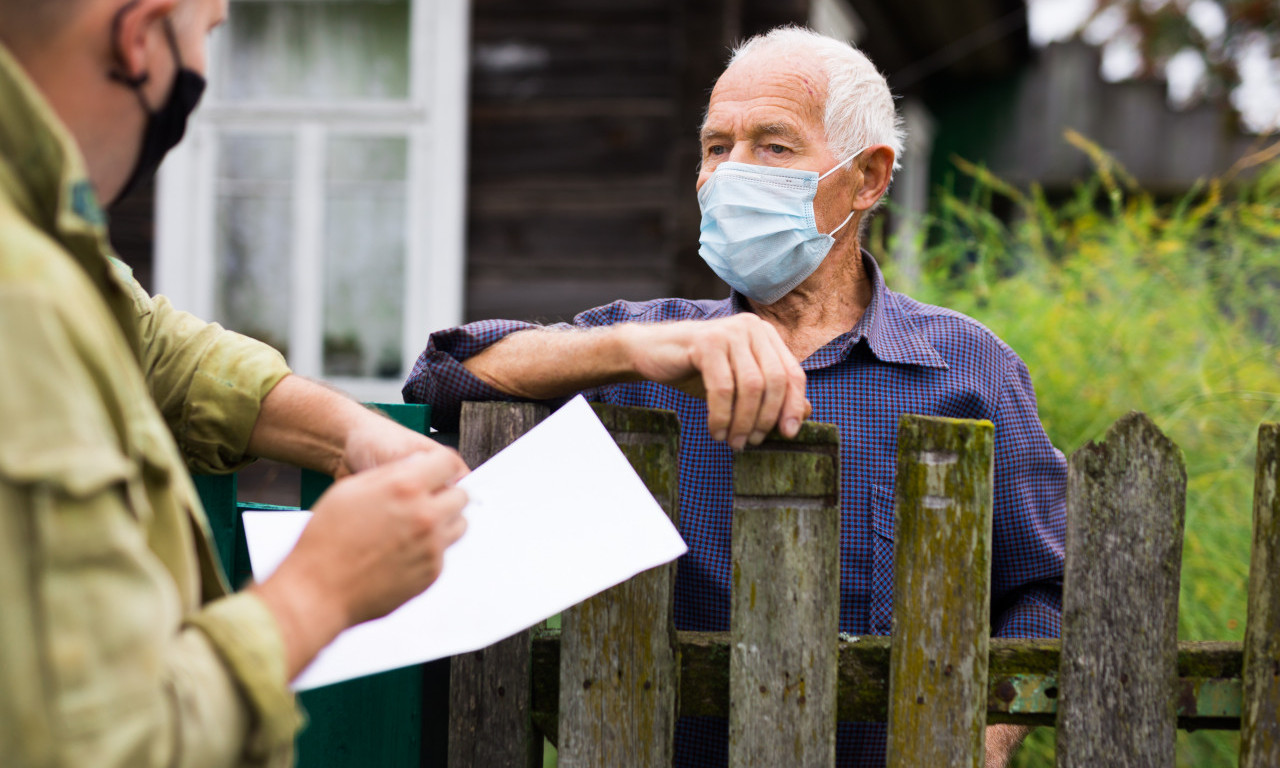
883	516
102	599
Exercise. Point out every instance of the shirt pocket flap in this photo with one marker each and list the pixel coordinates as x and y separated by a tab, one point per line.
78	470
882	511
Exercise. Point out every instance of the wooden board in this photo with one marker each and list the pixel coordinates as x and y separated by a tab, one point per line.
785	602
1260	721
942	593
490	723
1126	502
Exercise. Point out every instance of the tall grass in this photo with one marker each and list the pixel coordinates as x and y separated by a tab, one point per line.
1117	302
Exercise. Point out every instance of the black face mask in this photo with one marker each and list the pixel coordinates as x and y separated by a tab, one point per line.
165	126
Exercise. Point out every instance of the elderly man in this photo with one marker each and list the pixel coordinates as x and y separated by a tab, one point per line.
798	147
119	643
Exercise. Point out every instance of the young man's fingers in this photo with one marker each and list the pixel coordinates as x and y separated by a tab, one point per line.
421	470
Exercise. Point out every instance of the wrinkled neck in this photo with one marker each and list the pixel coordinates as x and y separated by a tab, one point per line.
827	304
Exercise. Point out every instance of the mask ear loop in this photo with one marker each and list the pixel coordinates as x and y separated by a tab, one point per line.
841	164
833	232
135	83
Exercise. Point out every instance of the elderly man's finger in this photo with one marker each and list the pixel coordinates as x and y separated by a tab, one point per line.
749	384
795	407
774	358
717	378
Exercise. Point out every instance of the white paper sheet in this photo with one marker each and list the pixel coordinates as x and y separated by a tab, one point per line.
554	519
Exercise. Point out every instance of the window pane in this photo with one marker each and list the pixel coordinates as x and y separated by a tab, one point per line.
365	224
255	235
316	50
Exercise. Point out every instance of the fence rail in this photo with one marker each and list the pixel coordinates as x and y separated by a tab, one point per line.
608	686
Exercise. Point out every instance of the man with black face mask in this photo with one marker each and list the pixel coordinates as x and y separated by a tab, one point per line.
120	643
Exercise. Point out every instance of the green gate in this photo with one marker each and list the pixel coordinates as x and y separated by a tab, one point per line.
397	718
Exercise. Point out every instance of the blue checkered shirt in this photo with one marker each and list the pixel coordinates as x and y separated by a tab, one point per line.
901	357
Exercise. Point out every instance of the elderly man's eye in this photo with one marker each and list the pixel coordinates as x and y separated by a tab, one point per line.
716	149
777	149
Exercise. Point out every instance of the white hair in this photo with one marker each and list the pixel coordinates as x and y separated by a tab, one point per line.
859	111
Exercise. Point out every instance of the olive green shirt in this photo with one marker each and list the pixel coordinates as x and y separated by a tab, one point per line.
119	643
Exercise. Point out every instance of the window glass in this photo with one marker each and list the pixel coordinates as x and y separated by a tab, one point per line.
364	270
315	50
254	236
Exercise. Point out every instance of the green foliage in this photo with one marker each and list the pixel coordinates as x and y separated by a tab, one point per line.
1119	302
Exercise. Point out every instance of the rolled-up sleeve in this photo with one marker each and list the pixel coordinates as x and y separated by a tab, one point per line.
247	640
440	378
208	382
1029	525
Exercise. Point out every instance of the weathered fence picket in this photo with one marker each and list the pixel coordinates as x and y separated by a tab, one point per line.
618	671
1118	684
1260	716
490	723
942	593
785	603
1126	501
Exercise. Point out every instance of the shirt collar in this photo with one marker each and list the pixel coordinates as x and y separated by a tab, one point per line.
44	176
41	168
890	334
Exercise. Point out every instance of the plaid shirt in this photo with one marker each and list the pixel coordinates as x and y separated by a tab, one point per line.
901	357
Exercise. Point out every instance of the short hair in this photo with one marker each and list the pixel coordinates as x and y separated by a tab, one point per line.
28	23
859	111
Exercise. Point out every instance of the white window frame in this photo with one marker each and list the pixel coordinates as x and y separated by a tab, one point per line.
433	117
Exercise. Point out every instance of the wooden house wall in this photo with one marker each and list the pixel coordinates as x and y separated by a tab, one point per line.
582	151
132	228
583	148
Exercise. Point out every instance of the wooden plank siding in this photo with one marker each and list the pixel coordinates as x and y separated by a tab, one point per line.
132	230
583	149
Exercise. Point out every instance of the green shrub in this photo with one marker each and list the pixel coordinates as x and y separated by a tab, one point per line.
1120	302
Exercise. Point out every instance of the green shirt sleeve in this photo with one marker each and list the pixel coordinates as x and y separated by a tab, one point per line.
208	382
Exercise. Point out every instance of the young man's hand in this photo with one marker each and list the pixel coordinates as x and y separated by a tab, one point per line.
376	440
376	539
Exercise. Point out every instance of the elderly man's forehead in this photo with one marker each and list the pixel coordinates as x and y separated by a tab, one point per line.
783	78
784	61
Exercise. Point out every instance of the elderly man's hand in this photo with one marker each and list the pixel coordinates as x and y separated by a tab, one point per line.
751	381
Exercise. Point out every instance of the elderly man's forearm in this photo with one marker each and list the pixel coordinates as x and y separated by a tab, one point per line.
541	364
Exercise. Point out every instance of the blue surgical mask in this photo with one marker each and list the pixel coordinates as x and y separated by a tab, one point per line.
758	231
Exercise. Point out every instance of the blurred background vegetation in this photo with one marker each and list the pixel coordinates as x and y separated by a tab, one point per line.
1119	301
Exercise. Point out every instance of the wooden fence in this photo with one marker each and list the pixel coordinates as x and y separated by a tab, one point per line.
607	686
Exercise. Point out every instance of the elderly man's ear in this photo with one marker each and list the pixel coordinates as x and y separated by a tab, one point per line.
877	170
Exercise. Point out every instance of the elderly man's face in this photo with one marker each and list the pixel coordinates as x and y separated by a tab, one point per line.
767	109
